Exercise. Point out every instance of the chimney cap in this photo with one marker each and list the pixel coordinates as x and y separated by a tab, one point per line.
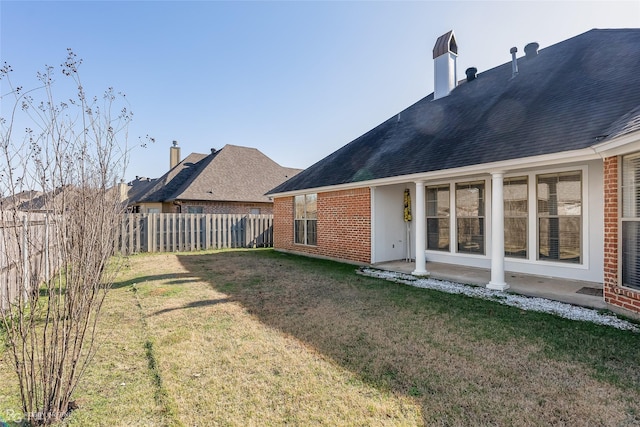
513	50
175	143
531	49
446	43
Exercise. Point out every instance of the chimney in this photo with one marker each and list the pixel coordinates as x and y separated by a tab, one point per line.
124	190
174	155
445	53
514	62
531	50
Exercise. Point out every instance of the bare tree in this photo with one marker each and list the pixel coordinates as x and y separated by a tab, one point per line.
56	264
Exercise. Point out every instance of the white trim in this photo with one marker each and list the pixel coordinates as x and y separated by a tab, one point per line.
625	144
421	228
372	223
526	264
497	233
545	160
584	233
453	222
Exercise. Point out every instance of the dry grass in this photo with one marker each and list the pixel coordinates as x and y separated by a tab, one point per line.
263	338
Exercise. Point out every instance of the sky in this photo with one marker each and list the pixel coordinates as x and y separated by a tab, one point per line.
295	79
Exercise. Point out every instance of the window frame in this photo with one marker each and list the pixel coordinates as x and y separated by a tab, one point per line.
481	217
438	217
580	219
625	219
191	208
522	215
305	219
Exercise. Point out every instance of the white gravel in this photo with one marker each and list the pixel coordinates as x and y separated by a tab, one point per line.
526	303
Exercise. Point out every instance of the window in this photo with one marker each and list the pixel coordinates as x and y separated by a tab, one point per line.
631	221
516	207
560	216
306	218
153	210
254	211
438	218
195	209
470	200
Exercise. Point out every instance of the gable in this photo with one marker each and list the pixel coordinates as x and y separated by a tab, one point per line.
233	173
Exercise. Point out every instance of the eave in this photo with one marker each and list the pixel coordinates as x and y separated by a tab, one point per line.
504	166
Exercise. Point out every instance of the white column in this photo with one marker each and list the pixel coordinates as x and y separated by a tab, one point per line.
497	233
421	219
374	258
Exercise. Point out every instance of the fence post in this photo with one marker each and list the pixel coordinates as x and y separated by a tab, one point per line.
46	248
25	258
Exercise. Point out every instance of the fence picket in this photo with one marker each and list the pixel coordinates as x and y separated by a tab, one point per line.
25	246
189	232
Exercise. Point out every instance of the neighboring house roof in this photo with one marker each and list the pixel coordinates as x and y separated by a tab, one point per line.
568	97
52	201
12	202
232	173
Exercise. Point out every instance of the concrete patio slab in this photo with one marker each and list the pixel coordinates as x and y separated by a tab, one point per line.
563	290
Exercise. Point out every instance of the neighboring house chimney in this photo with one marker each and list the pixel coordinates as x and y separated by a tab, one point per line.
124	190
174	155
445	53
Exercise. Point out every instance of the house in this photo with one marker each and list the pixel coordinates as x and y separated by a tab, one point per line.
232	180
532	167
18	200
34	201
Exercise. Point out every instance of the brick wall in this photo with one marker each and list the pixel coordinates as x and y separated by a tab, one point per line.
243	208
613	293
283	223
344	225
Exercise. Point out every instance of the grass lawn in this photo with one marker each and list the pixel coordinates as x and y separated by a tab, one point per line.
253	338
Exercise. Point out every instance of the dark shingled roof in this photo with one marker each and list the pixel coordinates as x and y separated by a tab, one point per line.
232	173
570	96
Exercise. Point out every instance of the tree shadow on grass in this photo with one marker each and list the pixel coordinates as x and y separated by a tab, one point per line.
456	356
176	279
195	304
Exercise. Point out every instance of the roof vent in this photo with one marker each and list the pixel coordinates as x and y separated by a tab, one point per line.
214	151
531	50
514	62
471	73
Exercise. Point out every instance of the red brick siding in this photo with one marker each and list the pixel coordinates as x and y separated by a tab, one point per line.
613	293
243	208
344	225
283	223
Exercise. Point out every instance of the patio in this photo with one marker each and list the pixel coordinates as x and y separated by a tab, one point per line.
585	294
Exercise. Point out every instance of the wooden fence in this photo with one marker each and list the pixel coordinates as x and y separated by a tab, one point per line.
26	243
166	232
24	254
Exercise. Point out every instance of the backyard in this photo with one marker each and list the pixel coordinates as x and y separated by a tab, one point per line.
258	337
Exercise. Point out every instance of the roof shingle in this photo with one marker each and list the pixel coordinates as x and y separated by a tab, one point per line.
232	173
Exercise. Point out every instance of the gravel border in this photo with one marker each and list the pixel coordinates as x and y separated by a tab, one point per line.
542	305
